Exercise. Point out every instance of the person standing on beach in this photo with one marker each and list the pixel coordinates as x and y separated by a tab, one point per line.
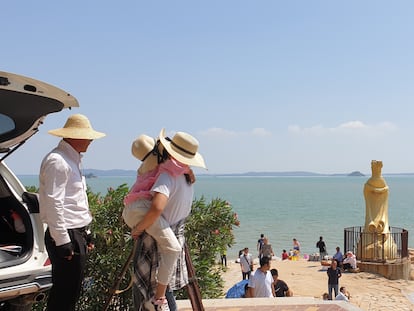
266	250
322	248
285	255
172	198
296	245
260	243
138	201
224	258
246	264
334	273
261	281
64	208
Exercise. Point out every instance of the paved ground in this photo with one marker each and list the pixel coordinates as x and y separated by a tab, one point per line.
267	304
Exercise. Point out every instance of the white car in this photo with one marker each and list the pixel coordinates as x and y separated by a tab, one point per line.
25	269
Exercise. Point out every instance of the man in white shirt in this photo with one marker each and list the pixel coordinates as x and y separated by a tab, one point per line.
350	261
246	264
343	294
64	208
261	281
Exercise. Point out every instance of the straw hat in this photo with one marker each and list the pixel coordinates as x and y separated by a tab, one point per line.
183	147
142	149
77	127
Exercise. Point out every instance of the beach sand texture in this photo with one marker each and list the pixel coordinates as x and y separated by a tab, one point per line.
368	291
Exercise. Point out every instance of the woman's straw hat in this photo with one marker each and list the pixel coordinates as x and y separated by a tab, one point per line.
142	148
183	147
77	127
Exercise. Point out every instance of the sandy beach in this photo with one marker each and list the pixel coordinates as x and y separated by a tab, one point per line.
368	291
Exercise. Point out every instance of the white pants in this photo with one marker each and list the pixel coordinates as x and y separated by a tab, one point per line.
168	246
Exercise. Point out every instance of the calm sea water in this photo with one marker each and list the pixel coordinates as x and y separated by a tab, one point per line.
284	208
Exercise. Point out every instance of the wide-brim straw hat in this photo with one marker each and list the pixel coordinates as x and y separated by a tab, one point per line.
77	126
142	149
183	147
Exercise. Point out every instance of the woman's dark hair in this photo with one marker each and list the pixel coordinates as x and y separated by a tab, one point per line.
161	155
164	155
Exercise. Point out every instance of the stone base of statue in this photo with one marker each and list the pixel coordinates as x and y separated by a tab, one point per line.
398	270
376	247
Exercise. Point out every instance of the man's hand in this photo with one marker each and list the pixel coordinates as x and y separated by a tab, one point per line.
65	251
89	240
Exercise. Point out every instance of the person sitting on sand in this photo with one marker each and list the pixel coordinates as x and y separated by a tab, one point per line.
285	255
343	294
350	261
338	256
281	288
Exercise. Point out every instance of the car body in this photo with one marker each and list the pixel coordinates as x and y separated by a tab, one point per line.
25	269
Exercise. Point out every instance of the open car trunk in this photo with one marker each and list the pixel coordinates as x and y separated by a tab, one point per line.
16	232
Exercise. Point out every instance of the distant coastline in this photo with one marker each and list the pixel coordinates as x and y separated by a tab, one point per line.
95	173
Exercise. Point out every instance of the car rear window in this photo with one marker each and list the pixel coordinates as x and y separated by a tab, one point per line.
6	124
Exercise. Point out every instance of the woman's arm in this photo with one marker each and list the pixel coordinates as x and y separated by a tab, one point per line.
159	201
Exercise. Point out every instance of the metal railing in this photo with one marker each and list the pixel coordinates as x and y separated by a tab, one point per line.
374	247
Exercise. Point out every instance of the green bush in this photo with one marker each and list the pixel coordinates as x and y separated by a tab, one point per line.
208	234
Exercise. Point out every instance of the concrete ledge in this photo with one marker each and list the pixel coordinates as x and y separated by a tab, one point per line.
391	270
288	303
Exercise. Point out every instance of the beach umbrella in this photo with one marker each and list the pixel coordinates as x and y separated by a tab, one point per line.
237	291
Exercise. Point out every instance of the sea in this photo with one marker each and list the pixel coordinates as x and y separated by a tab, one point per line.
283	208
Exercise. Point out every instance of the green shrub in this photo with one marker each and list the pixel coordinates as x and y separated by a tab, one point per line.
209	232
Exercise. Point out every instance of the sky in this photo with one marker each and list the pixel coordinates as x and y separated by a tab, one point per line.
318	86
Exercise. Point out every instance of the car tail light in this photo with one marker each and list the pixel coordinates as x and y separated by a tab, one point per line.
47	262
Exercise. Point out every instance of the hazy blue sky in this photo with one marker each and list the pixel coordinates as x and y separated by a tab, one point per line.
321	86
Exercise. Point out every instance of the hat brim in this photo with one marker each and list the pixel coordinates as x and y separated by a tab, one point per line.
77	133
191	160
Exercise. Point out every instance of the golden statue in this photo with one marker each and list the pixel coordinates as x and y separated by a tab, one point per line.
376	201
376	242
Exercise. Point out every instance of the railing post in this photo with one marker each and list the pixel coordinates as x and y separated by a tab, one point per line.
356	239
404	243
192	288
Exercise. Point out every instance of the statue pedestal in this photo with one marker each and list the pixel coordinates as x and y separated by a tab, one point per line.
400	269
376	247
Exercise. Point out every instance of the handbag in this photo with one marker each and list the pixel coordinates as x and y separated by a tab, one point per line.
250	265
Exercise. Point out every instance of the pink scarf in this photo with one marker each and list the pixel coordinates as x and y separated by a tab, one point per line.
143	184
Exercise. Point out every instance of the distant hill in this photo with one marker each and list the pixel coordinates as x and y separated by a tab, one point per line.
356	173
118	172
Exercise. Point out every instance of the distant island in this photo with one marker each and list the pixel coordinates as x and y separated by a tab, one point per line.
92	173
356	173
